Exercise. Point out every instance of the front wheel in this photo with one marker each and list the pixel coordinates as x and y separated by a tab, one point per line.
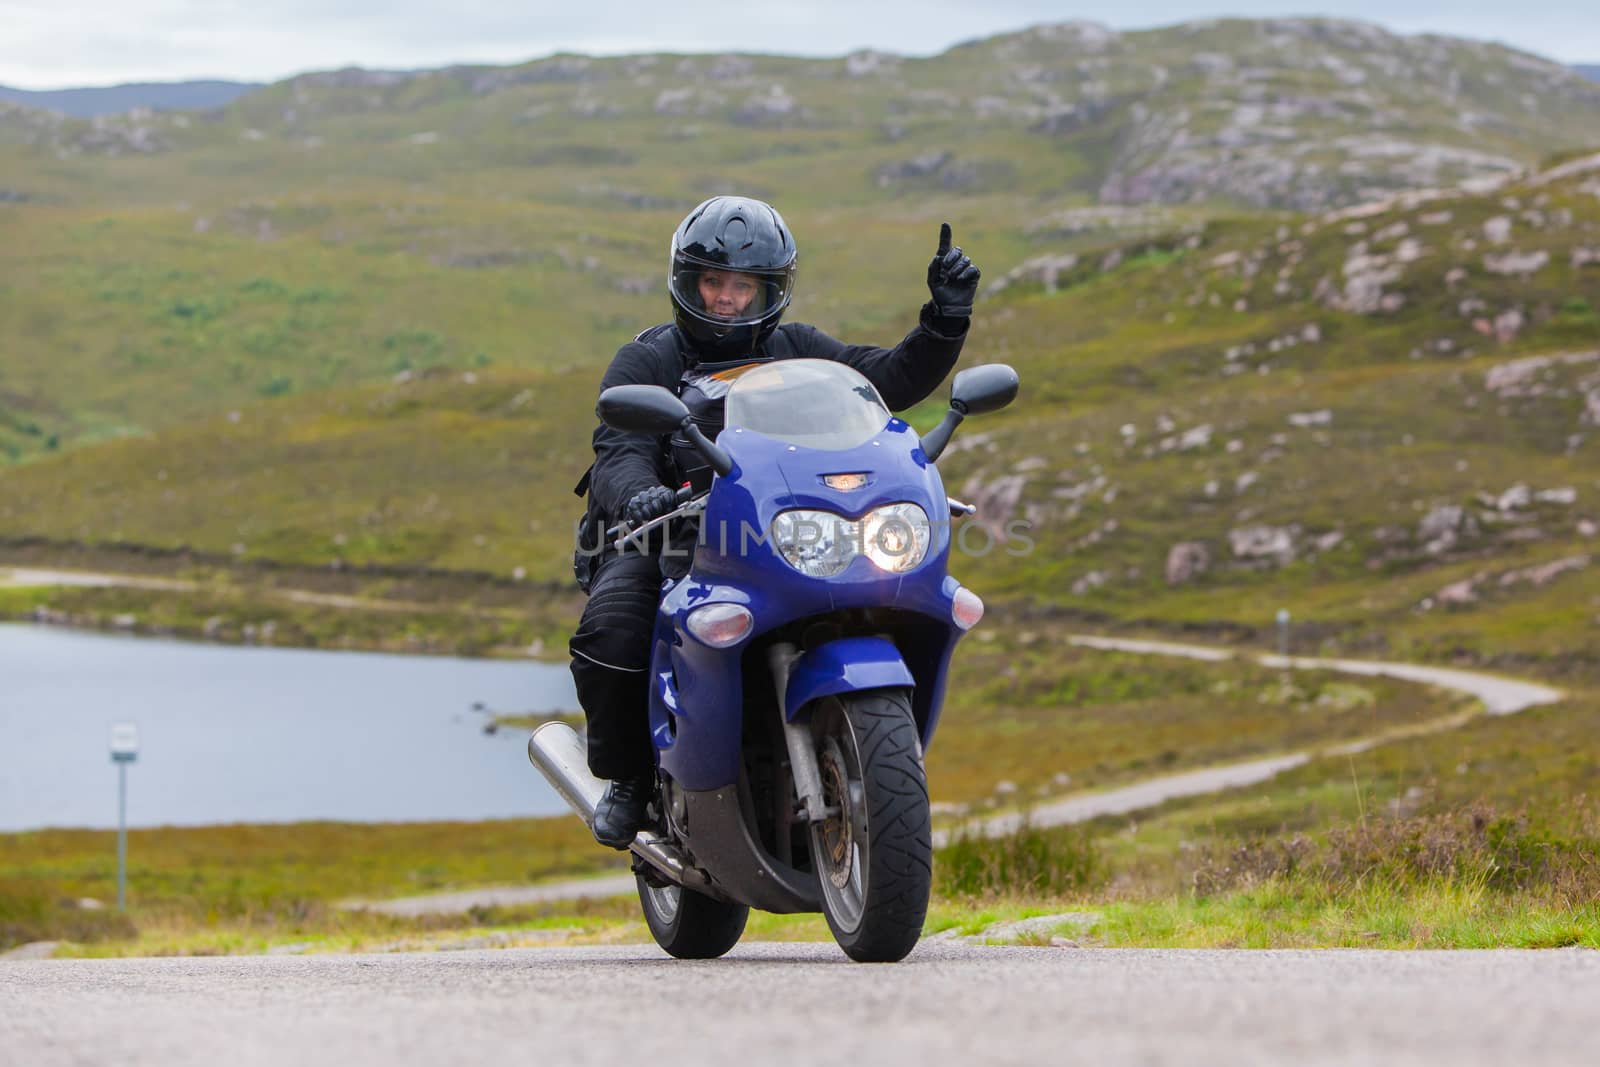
874	851
690	925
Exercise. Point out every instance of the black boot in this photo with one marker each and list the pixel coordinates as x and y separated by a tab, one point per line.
621	812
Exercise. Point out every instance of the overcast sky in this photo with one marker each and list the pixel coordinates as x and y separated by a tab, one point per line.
47	44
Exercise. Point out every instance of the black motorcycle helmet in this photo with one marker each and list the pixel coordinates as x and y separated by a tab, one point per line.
731	276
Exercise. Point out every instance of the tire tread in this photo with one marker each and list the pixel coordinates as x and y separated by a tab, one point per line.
901	838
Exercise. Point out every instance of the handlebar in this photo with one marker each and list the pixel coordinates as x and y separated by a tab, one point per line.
619	534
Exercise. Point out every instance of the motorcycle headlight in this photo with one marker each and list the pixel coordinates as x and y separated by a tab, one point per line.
817	543
820	544
896	536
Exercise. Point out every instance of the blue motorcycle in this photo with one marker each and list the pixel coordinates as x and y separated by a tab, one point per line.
798	669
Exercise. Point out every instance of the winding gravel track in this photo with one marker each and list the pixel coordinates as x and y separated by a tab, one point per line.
1500	696
32	576
805	1004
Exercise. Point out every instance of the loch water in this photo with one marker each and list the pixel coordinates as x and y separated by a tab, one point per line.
231	734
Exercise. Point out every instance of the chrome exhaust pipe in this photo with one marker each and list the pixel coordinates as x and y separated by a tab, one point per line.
563	758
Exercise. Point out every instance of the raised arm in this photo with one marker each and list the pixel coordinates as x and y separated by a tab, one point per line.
912	369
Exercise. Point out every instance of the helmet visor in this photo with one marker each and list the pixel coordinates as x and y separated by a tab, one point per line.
729	297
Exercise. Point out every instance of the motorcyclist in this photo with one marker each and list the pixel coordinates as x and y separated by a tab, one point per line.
731	276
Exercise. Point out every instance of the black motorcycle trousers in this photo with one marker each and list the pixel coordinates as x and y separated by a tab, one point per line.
611	664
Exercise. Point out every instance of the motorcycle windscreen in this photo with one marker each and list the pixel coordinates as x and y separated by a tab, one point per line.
816	403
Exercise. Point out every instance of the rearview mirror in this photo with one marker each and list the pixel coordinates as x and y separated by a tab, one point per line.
980	390
651	409
976	391
648	409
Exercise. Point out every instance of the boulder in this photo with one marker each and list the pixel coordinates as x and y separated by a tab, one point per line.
919	166
1088	583
1518	264
1508	324
1514	499
996	501
1263	542
1443	528
1186	561
1458	594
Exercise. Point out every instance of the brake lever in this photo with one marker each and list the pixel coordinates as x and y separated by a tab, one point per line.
958	509
619	535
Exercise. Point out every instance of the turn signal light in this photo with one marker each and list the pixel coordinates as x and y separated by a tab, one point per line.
720	625
967	608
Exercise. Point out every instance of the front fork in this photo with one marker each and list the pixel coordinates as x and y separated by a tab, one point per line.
781	658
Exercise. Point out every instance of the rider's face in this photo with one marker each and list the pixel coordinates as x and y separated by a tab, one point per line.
726	294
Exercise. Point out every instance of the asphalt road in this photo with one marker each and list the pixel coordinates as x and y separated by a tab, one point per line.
805	1004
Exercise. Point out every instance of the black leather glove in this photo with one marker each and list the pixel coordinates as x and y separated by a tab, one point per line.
952	279
648	504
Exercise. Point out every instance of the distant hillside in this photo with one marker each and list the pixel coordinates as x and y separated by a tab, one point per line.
1589	70
120	99
346	227
1389	412
1304	114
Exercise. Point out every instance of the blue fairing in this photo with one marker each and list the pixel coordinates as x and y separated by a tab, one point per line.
847	665
697	698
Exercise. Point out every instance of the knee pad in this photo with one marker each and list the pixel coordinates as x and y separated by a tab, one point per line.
616	630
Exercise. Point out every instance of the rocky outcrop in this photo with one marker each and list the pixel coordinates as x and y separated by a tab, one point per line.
867	63
1519	264
1040	270
1443	528
1276	544
774	107
1543	574
923	165
1468	592
995	500
1527	377
1186	561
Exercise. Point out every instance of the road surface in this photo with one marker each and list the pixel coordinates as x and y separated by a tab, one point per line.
768	1004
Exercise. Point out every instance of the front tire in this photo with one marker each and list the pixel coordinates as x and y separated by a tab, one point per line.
690	925
874	852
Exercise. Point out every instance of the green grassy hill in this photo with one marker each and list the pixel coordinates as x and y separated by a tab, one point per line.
1382	418
358	317
342	228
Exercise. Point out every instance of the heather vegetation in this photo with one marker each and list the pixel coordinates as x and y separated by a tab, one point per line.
1482	836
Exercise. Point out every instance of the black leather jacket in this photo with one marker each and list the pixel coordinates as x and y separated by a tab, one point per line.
626	463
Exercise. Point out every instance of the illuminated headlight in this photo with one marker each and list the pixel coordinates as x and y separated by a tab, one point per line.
894	537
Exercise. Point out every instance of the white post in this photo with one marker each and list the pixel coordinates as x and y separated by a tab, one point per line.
124	750
122	835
